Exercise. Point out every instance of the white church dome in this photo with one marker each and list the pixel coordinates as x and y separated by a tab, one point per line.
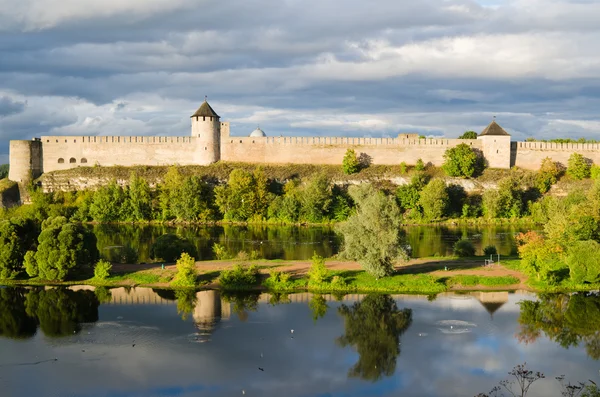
257	133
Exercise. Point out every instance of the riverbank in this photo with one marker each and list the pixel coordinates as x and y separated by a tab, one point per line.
420	276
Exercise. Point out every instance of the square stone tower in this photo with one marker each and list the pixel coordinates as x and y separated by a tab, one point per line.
496	146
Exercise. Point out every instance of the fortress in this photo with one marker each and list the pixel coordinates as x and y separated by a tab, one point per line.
210	141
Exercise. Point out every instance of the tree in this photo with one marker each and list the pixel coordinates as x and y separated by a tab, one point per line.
140	200
186	272
169	247
536	255
245	196
584	261
109	203
578	166
420	165
434	199
350	164
547	175
468	135
193	201
4	171
506	202
373	327
62	248
17	236
462	161
102	270
371	235
169	193
316	199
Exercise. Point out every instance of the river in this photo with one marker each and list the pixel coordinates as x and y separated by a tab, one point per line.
144	342
293	242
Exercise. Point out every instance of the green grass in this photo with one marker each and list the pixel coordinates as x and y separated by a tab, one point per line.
488	281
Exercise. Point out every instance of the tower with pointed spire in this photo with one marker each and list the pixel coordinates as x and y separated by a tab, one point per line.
495	145
206	128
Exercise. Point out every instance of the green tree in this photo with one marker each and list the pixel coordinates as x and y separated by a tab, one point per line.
17	236
371	235
316	199
468	135
578	166
193	201
506	202
350	164
434	199
110	204
373	327
186	272
462	161
245	196
140	200
169	193
547	175
169	247
4	171
584	261
62	248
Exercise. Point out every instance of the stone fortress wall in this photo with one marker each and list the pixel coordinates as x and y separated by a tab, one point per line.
211	141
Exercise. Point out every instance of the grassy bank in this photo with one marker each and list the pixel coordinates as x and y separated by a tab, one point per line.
423	278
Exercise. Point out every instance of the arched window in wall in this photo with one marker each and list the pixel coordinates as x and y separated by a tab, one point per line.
72	160
61	160
84	161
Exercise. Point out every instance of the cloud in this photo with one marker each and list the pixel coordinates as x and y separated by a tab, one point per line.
309	67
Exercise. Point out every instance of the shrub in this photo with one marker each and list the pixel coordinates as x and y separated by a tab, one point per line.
584	261
595	171
169	247
338	281
578	166
318	272
220	251
420	165
186	272
102	270
490	250
464	248
123	254
462	161
278	279
403	168
239	276
350	164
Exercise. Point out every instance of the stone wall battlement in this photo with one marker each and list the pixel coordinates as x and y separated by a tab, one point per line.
58	140
350	141
572	147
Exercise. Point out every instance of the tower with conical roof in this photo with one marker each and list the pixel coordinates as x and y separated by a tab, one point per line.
206	128
496	146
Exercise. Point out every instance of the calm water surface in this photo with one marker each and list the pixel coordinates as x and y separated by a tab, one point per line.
295	243
144	342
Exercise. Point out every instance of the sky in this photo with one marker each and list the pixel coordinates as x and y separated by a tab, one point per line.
299	68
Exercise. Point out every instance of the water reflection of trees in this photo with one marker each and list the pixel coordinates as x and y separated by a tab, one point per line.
566	320
241	302
373	327
57	312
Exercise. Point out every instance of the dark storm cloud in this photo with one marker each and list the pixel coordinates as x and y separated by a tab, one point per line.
300	67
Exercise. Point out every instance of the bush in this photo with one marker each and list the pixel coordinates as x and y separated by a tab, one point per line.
102	270
578	167
462	161
403	168
239	276
186	272
169	247
420	165
584	261
464	248
220	252
595	171
123	254
490	250
547	175
62	247
350	164
318	272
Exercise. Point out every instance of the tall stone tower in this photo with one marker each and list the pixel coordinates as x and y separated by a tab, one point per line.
25	160
496	145
206	128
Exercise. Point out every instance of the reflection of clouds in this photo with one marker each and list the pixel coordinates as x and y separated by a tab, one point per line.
311	364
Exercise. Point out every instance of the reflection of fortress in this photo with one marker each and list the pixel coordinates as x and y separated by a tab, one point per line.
210	141
210	308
